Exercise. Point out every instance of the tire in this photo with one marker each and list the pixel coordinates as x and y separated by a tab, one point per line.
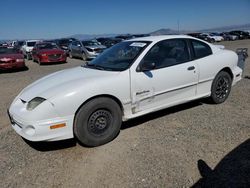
212	41
39	62
28	57
221	87
84	57
70	55
98	122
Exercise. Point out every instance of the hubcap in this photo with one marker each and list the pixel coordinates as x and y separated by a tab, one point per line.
222	88
99	122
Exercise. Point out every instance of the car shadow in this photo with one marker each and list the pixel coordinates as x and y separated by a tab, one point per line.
14	70
53	63
51	146
232	171
142	119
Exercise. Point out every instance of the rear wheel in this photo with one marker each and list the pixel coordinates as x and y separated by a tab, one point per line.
221	87
98	122
84	57
70	55
39	62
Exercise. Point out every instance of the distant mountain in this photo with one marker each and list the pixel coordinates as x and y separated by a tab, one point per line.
87	36
164	32
245	27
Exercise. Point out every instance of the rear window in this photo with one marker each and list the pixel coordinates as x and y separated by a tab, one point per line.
201	49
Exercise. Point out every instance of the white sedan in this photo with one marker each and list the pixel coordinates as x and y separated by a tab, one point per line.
131	79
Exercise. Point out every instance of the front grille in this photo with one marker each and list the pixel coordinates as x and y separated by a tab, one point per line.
54	56
98	50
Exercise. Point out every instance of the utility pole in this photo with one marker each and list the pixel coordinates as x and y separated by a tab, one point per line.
178	23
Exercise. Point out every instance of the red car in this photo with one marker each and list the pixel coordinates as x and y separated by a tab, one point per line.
47	52
11	58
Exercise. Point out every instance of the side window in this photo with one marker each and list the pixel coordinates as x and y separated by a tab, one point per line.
201	49
167	53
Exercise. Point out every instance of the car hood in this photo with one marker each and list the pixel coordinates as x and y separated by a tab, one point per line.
11	56
62	81
96	47
51	51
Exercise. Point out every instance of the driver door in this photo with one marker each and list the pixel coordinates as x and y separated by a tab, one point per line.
166	76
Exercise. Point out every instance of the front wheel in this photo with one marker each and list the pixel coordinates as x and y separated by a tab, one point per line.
70	55
221	87
84	57
98	122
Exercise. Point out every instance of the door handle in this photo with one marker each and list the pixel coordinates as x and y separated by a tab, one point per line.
191	68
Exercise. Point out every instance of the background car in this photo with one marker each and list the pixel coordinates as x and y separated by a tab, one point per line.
241	34
11	58
64	43
45	52
228	36
205	37
108	42
86	49
28	47
215	37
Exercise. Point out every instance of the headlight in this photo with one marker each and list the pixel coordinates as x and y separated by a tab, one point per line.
19	60
34	103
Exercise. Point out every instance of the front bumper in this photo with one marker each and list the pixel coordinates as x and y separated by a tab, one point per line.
47	59
8	66
26	125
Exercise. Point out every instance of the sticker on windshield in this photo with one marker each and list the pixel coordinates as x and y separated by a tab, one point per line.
138	44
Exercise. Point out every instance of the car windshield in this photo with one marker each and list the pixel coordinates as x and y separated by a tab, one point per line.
47	46
90	43
8	51
31	44
65	42
20	43
119	57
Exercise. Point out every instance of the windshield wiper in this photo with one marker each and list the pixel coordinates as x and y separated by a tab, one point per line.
95	66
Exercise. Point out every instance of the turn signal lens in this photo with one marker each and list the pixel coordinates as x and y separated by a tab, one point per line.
58	126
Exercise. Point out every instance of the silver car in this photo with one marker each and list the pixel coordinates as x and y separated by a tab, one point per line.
88	49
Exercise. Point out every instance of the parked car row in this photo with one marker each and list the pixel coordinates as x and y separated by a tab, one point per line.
218	37
57	50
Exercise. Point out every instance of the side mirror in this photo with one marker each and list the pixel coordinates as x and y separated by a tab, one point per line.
147	66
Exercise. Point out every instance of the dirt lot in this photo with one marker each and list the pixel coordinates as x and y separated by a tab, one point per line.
170	148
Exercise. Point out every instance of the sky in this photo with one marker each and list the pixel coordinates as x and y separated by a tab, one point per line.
23	19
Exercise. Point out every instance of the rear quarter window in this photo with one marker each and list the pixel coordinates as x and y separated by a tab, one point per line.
201	49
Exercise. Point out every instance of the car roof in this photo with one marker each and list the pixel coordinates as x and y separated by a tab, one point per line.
160	37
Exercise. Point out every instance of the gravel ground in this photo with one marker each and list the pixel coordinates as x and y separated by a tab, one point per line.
175	147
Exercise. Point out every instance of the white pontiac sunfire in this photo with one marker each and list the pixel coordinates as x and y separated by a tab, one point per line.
132	78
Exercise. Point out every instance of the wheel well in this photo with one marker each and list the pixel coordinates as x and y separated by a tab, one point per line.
98	96
228	70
